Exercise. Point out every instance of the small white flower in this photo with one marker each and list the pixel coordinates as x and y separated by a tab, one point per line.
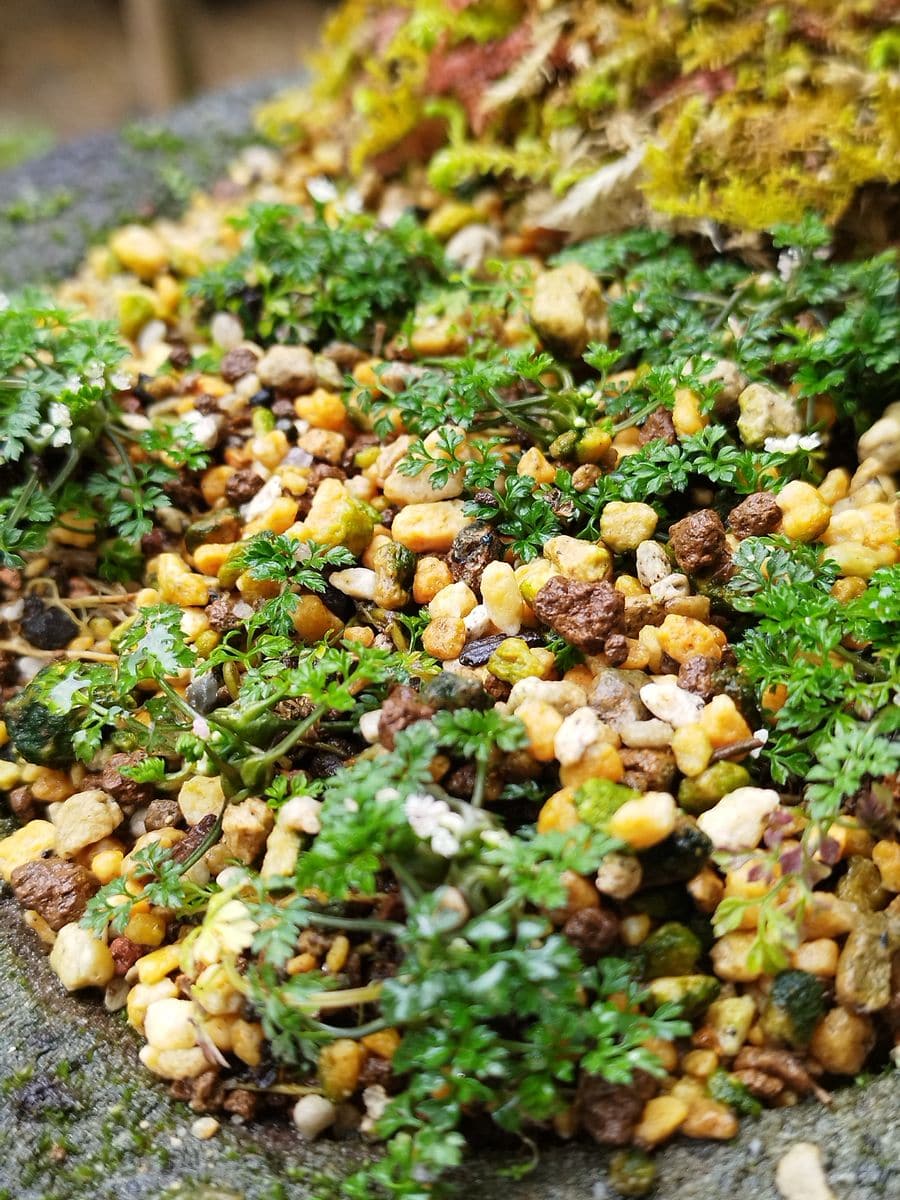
761	735
792	442
788	262
386	795
423	812
433	820
57	427
350	804
201	727
444	843
58	414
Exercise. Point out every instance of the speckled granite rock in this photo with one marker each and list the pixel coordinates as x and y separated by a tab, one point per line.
53	207
79	1119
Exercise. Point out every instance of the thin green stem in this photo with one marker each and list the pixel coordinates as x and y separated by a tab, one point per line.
480	779
177	700
406	879
360	924
354	1032
291	739
23	501
859	664
73	458
635	419
342	998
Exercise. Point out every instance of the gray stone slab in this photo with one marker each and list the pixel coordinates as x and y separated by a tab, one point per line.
53	207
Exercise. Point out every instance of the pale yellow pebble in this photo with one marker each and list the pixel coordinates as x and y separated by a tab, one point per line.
205	1128
278	519
835	486
85	818
199	797
730	1020
635	929
558	812
722	723
710	1120
36	923
213	482
886	856
534	464
140	250
142	995
644	821
731	958
147	598
431	577
219	1030
169	1024
700	1063
323	444
194	622
532	576
10	775
624	525
337	955
818	957
323	409
313	620
444	638
269	448
52	786
339	1066
80	960
686	415
156	965
502	597
579	559
805	515
454	600
174	1064
146	929
859	561
178	585
247	1041
107	865
692	749
661	1118
684	637
542	722
427	528
600	761
842	1041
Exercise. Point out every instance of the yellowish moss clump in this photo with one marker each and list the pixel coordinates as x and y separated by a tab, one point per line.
746	117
